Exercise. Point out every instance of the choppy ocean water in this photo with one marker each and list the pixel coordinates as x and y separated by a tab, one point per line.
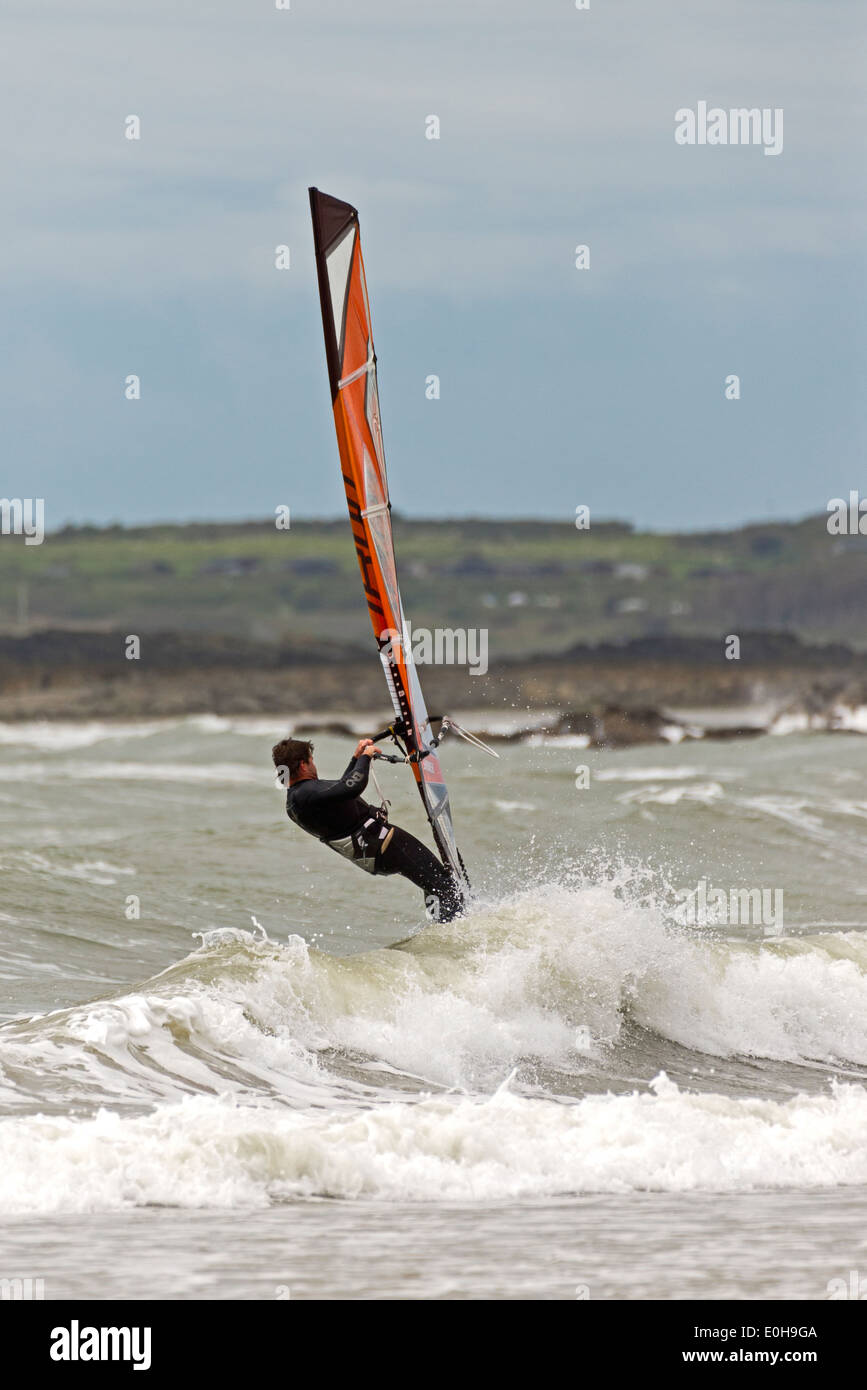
218	1078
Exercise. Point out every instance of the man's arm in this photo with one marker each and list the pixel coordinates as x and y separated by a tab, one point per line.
353	781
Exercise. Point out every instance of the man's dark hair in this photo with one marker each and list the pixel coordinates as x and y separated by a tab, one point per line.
290	753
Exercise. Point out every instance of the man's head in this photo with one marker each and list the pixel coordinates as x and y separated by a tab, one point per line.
293	759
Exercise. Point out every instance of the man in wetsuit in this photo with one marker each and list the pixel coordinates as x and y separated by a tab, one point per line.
335	813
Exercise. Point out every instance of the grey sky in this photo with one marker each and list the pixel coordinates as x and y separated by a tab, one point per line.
558	386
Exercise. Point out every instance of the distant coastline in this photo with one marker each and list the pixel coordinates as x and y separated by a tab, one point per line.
641	691
609	633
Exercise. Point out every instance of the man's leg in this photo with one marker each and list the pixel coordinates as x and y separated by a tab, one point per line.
406	855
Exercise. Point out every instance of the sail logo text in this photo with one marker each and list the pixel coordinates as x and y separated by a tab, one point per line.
740	126
76	1343
442	646
704	906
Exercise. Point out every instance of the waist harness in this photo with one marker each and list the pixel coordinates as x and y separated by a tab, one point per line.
361	846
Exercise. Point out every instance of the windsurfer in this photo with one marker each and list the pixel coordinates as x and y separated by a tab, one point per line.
334	812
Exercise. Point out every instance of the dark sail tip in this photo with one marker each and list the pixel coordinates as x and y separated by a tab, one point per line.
331	218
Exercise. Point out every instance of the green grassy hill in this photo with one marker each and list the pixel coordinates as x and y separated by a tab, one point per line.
537	586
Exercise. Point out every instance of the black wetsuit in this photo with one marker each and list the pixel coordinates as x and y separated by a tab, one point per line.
338	816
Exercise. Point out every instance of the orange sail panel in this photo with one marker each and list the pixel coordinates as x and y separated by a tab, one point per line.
352	374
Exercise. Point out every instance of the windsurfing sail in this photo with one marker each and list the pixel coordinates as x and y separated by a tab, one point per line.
355	398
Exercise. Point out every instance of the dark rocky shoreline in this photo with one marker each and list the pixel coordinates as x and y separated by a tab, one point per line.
642	691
